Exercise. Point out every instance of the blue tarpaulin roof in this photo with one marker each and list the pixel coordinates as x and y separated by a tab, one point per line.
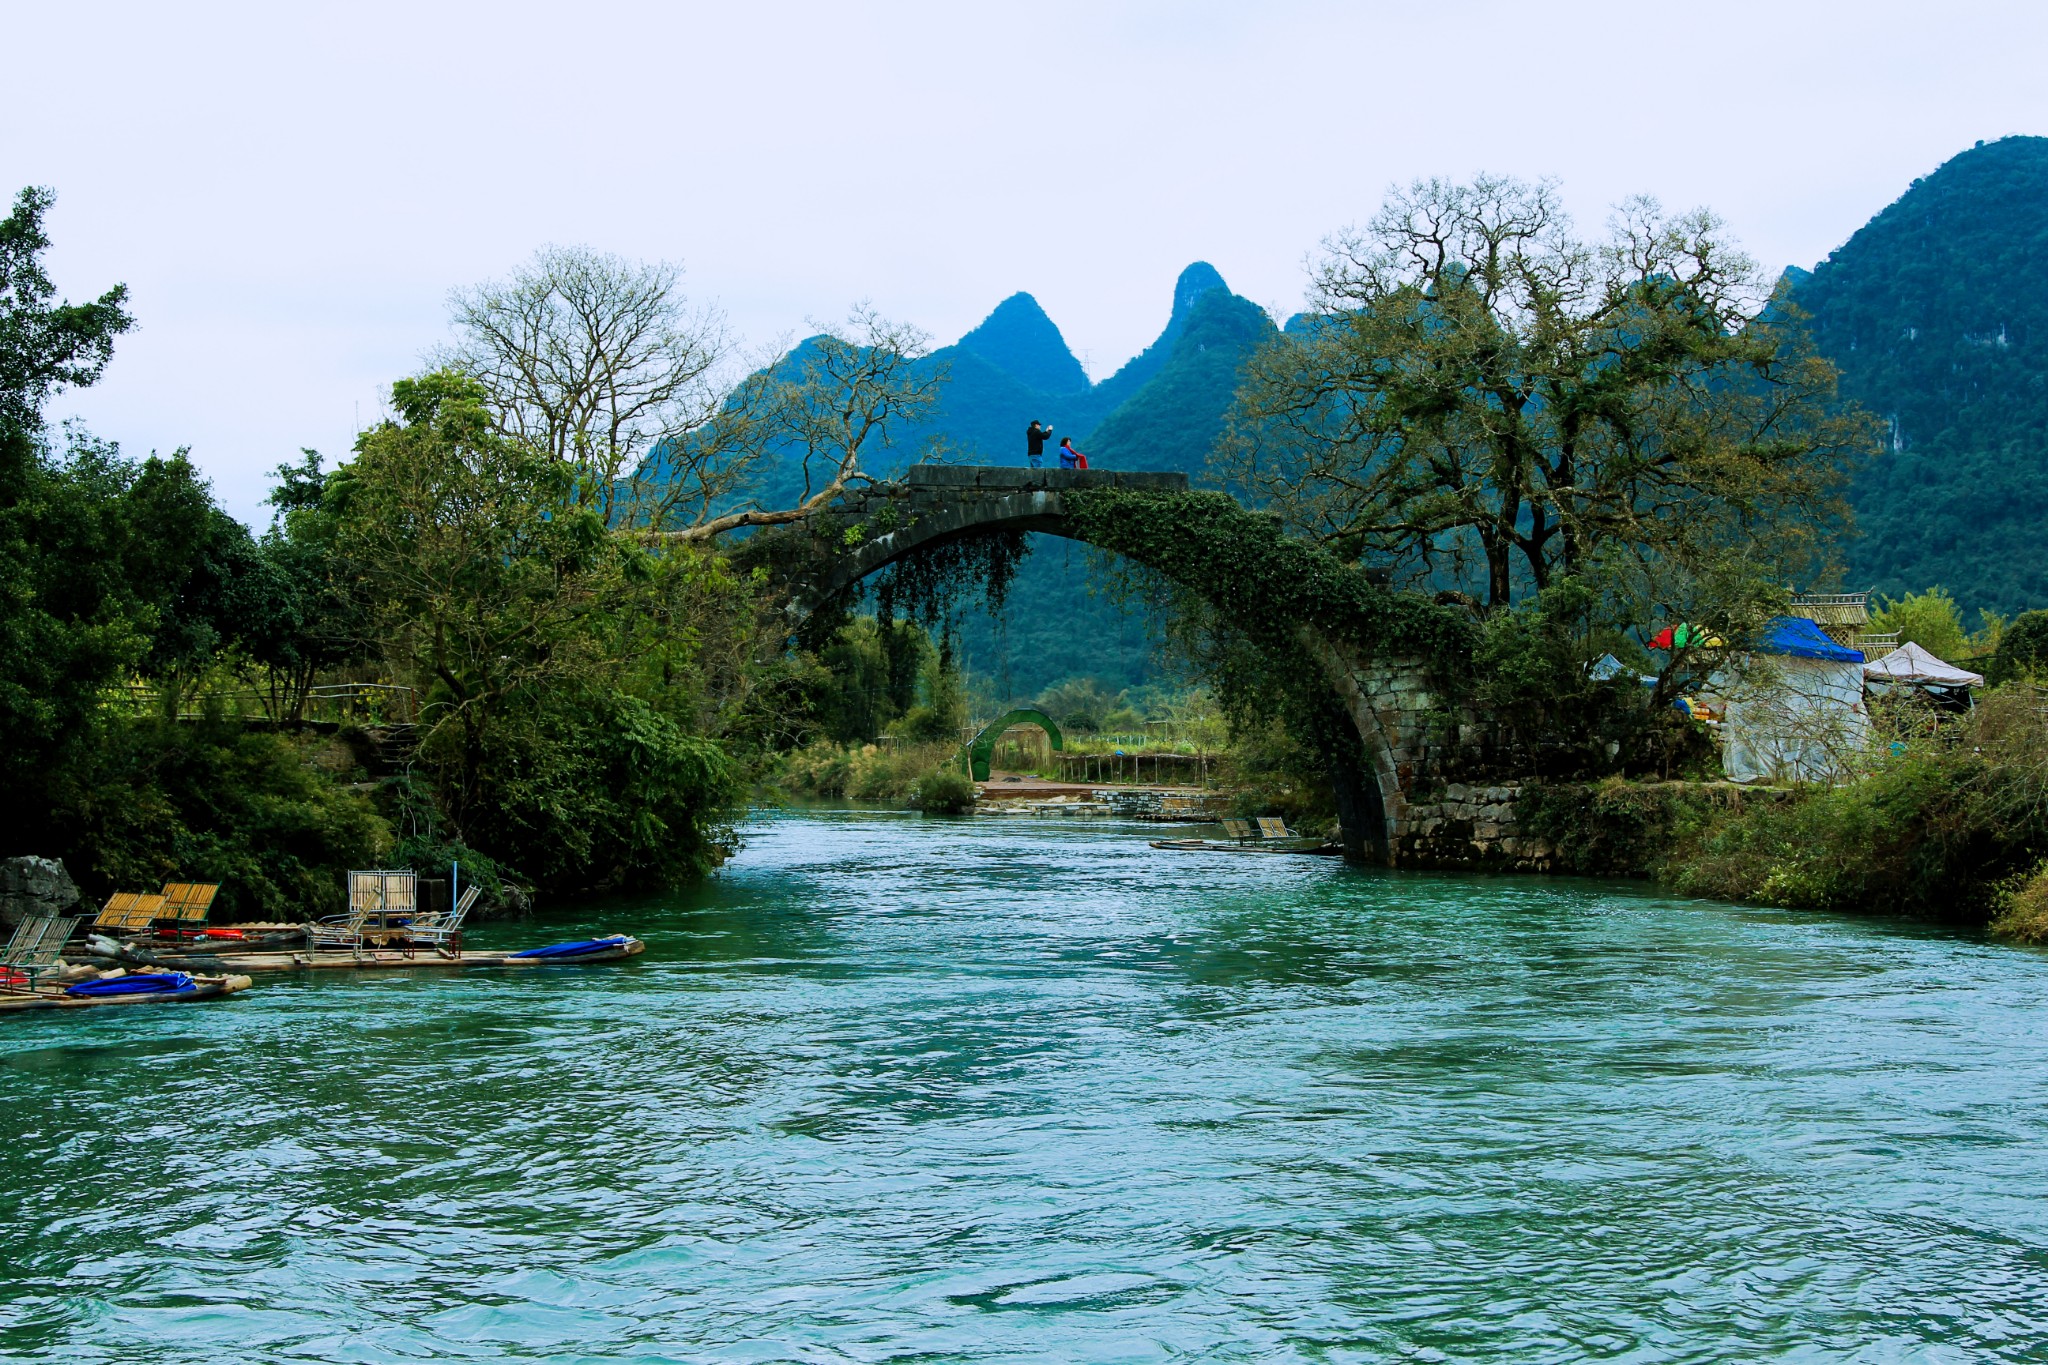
1802	639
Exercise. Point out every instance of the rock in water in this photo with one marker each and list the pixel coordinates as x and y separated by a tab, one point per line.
35	886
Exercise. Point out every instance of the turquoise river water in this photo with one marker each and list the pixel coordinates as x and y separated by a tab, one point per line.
903	1090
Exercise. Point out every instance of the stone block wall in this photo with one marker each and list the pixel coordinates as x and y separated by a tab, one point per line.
1463	825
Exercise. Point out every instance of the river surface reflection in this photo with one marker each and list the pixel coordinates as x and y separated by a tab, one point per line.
894	1089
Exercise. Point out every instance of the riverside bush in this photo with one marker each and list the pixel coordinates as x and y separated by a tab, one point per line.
1938	826
944	791
2022	907
163	800
864	772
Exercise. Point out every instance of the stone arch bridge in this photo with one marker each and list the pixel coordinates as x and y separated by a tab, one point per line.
1391	811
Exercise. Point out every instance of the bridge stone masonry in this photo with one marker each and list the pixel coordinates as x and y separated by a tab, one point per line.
936	503
1405	810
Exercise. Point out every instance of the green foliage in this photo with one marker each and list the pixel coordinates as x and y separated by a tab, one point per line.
866	772
1263	580
1928	619
115	569
1483	400
871	677
1936	828
45	346
1936	313
1617	828
939	717
2022	907
944	791
1060	620
1271	770
605	794
2023	649
1533	676
158	800
567	675
1079	704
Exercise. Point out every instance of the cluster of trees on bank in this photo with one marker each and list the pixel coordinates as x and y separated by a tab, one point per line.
527	545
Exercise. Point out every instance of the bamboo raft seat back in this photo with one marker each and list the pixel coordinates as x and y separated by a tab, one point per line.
439	927
1237	829
188	902
1273	827
34	951
130	911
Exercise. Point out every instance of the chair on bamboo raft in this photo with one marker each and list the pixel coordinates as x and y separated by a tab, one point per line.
188	902
443	928
381	906
1273	827
35	952
1238	830
129	912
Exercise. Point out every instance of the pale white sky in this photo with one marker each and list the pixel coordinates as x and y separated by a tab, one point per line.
291	191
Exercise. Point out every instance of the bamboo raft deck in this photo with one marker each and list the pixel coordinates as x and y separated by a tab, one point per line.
388	959
54	998
1218	846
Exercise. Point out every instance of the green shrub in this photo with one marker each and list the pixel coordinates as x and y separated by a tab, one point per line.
2022	907
1936	827
1616	828
866	772
166	801
2022	648
945	791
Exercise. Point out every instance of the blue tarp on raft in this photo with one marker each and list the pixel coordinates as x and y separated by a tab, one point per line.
576	949
1802	639
145	983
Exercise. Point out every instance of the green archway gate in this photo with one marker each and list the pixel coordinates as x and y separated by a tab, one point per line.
984	745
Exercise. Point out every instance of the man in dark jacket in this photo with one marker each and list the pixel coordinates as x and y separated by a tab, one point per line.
1035	437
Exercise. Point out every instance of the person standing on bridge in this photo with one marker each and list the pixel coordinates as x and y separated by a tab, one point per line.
1035	437
1071	458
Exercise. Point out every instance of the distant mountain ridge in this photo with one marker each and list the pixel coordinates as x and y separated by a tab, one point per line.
1936	314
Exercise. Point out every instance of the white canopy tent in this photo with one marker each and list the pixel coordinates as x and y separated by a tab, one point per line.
1911	665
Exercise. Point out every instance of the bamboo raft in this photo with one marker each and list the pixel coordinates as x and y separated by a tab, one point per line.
1218	846
55	998
618	948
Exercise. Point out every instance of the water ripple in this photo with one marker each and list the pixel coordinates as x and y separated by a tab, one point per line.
895	1090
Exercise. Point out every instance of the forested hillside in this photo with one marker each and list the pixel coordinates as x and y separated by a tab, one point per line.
1936	311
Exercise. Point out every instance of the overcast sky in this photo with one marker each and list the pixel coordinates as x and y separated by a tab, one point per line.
290	191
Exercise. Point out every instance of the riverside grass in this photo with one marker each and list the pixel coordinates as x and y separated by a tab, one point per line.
1952	825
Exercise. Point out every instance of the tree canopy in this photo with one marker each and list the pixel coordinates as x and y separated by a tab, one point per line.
1488	401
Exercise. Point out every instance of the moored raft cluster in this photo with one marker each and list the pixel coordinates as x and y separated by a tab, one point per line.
155	947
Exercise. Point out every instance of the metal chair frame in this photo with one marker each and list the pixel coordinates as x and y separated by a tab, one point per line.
371	894
443	929
35	950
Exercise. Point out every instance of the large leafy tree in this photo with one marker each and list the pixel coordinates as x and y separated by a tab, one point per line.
556	726
1488	401
72	612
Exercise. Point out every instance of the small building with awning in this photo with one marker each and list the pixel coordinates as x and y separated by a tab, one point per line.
1792	710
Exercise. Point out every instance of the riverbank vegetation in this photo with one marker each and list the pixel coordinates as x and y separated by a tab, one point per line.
518	565
534	621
